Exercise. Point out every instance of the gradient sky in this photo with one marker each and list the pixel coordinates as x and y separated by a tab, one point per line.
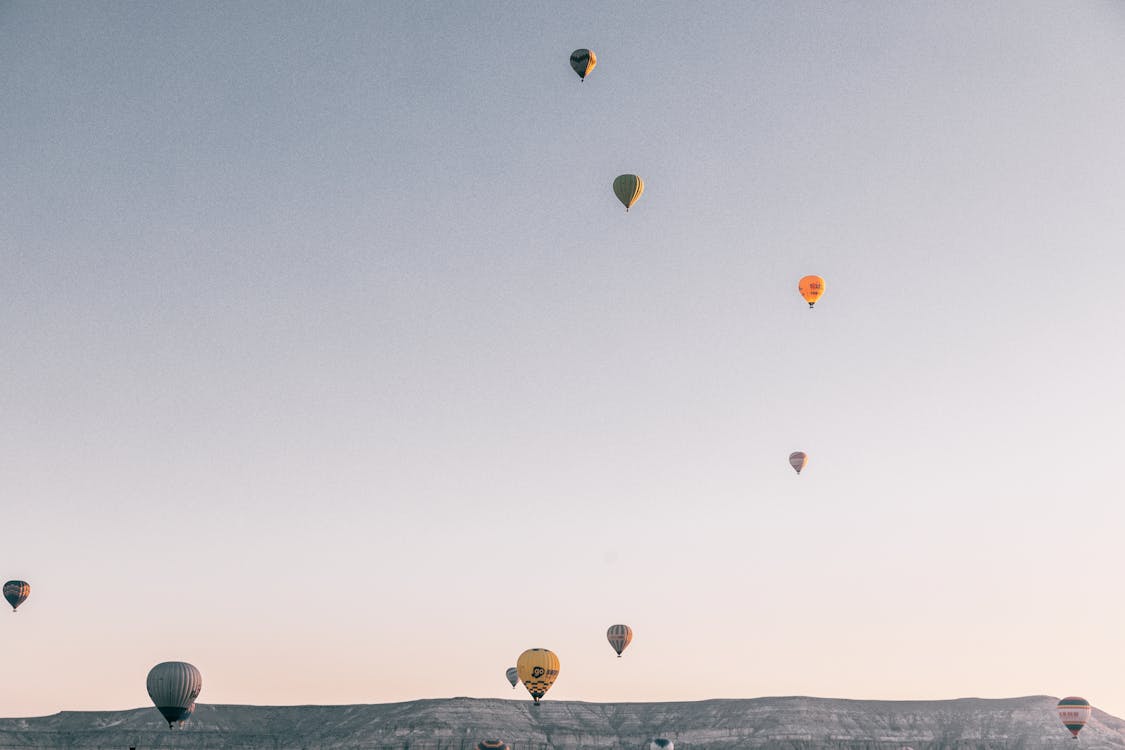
330	363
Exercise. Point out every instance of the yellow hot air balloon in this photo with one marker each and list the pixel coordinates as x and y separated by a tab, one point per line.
538	669
628	188
619	637
811	287
798	460
583	61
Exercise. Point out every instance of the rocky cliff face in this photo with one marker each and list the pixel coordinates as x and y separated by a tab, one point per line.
459	723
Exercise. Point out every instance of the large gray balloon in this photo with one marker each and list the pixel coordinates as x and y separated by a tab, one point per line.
173	687
661	744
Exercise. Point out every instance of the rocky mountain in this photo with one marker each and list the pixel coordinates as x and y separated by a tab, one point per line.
459	723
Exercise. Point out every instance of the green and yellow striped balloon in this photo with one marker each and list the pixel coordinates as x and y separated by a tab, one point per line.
628	188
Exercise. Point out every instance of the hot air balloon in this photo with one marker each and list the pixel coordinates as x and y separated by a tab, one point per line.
1074	712
513	676
811	287
16	592
628	188
538	669
619	637
661	744
798	460
583	61
491	745
173	687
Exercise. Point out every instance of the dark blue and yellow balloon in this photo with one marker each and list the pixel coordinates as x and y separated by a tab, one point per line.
583	62
16	592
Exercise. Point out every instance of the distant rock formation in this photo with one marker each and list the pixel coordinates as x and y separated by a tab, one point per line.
459	723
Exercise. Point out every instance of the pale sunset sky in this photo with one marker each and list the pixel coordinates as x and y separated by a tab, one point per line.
330	364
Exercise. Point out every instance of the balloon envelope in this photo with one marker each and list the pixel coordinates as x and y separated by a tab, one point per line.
628	188
538	668
798	460
1074	713
491	745
661	744
173	687
16	592
811	287
619	637
513	675
583	61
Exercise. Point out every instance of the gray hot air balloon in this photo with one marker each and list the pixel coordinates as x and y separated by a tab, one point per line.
661	744
173	687
513	675
798	460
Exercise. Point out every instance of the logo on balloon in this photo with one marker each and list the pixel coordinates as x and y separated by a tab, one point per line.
538	672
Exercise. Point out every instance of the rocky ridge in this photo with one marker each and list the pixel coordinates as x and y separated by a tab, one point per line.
790	723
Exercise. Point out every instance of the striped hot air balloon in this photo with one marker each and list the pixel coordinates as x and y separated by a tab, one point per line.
491	745
173	687
16	592
798	460
628	189
619	637
538	668
1074	712
583	61
661	744
513	676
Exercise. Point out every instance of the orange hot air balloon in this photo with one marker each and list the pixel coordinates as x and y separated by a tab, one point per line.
619	637
811	287
798	460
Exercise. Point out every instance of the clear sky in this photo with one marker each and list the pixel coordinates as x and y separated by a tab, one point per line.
330	363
